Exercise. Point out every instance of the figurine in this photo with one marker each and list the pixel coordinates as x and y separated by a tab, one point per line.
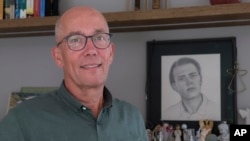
167	131
206	128
184	130
157	133
150	135
177	133
198	135
224	132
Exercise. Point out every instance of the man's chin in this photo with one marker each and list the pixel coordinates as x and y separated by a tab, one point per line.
193	95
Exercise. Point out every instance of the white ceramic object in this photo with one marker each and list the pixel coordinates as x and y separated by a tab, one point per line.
102	5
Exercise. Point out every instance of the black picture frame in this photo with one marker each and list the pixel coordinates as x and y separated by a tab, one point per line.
156	51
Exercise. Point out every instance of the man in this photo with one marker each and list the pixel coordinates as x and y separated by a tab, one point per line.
82	109
186	79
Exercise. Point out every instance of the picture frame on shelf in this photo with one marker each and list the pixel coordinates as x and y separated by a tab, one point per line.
215	56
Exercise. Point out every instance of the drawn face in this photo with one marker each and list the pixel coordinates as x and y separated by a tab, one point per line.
187	81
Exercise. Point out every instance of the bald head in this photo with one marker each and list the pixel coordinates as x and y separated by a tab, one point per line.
80	19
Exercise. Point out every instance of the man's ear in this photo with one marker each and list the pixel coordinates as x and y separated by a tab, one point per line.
57	56
111	55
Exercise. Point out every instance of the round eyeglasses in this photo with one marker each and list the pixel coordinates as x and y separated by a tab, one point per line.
78	41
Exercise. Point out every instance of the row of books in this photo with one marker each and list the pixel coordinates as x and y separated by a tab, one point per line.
19	9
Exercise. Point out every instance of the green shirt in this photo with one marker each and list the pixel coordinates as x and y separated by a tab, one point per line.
58	116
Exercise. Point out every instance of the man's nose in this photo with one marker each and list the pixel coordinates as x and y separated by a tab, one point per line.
90	48
89	42
189	80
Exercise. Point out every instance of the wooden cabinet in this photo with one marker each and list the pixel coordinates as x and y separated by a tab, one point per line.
131	21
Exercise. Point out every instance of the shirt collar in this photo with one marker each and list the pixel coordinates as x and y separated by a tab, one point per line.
73	103
202	108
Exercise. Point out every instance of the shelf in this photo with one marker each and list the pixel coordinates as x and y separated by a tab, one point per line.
132	21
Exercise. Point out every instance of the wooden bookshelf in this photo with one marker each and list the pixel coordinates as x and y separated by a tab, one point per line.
132	21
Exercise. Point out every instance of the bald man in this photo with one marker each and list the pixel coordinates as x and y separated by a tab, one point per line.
82	109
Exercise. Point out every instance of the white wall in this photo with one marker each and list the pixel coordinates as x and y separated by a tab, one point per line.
27	62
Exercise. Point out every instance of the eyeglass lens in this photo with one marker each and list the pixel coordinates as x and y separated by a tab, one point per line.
78	42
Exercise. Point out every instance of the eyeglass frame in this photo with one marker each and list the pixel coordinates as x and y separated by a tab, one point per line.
91	37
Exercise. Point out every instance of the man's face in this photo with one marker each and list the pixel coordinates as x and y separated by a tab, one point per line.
87	67
187	81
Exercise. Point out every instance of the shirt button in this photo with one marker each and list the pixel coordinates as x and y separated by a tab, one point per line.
84	108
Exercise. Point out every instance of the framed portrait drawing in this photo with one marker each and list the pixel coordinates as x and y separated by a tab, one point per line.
188	81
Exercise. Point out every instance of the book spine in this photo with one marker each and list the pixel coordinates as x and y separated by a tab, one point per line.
1	9
55	8
12	9
17	9
42	8
156	4
6	9
48	7
23	9
36	8
137	5
30	8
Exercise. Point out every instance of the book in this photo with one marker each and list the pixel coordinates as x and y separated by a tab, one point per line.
156	4
54	11
1	9
42	8
137	5
17	9
30	8
51	8
6	9
23	10
36	8
9	9
12	9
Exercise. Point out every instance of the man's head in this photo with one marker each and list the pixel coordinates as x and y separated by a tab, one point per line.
185	77
84	49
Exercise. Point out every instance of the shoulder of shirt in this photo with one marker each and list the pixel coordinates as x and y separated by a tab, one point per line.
210	102
124	104
38	101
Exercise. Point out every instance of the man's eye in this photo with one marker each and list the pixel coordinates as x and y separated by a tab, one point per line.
74	40
99	38
193	75
181	78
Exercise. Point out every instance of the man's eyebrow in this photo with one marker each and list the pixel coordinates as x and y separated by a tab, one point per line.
194	73
100	31
75	33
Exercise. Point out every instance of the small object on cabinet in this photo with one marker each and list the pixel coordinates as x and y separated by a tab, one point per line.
137	5
224	132
206	128
156	4
177	133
